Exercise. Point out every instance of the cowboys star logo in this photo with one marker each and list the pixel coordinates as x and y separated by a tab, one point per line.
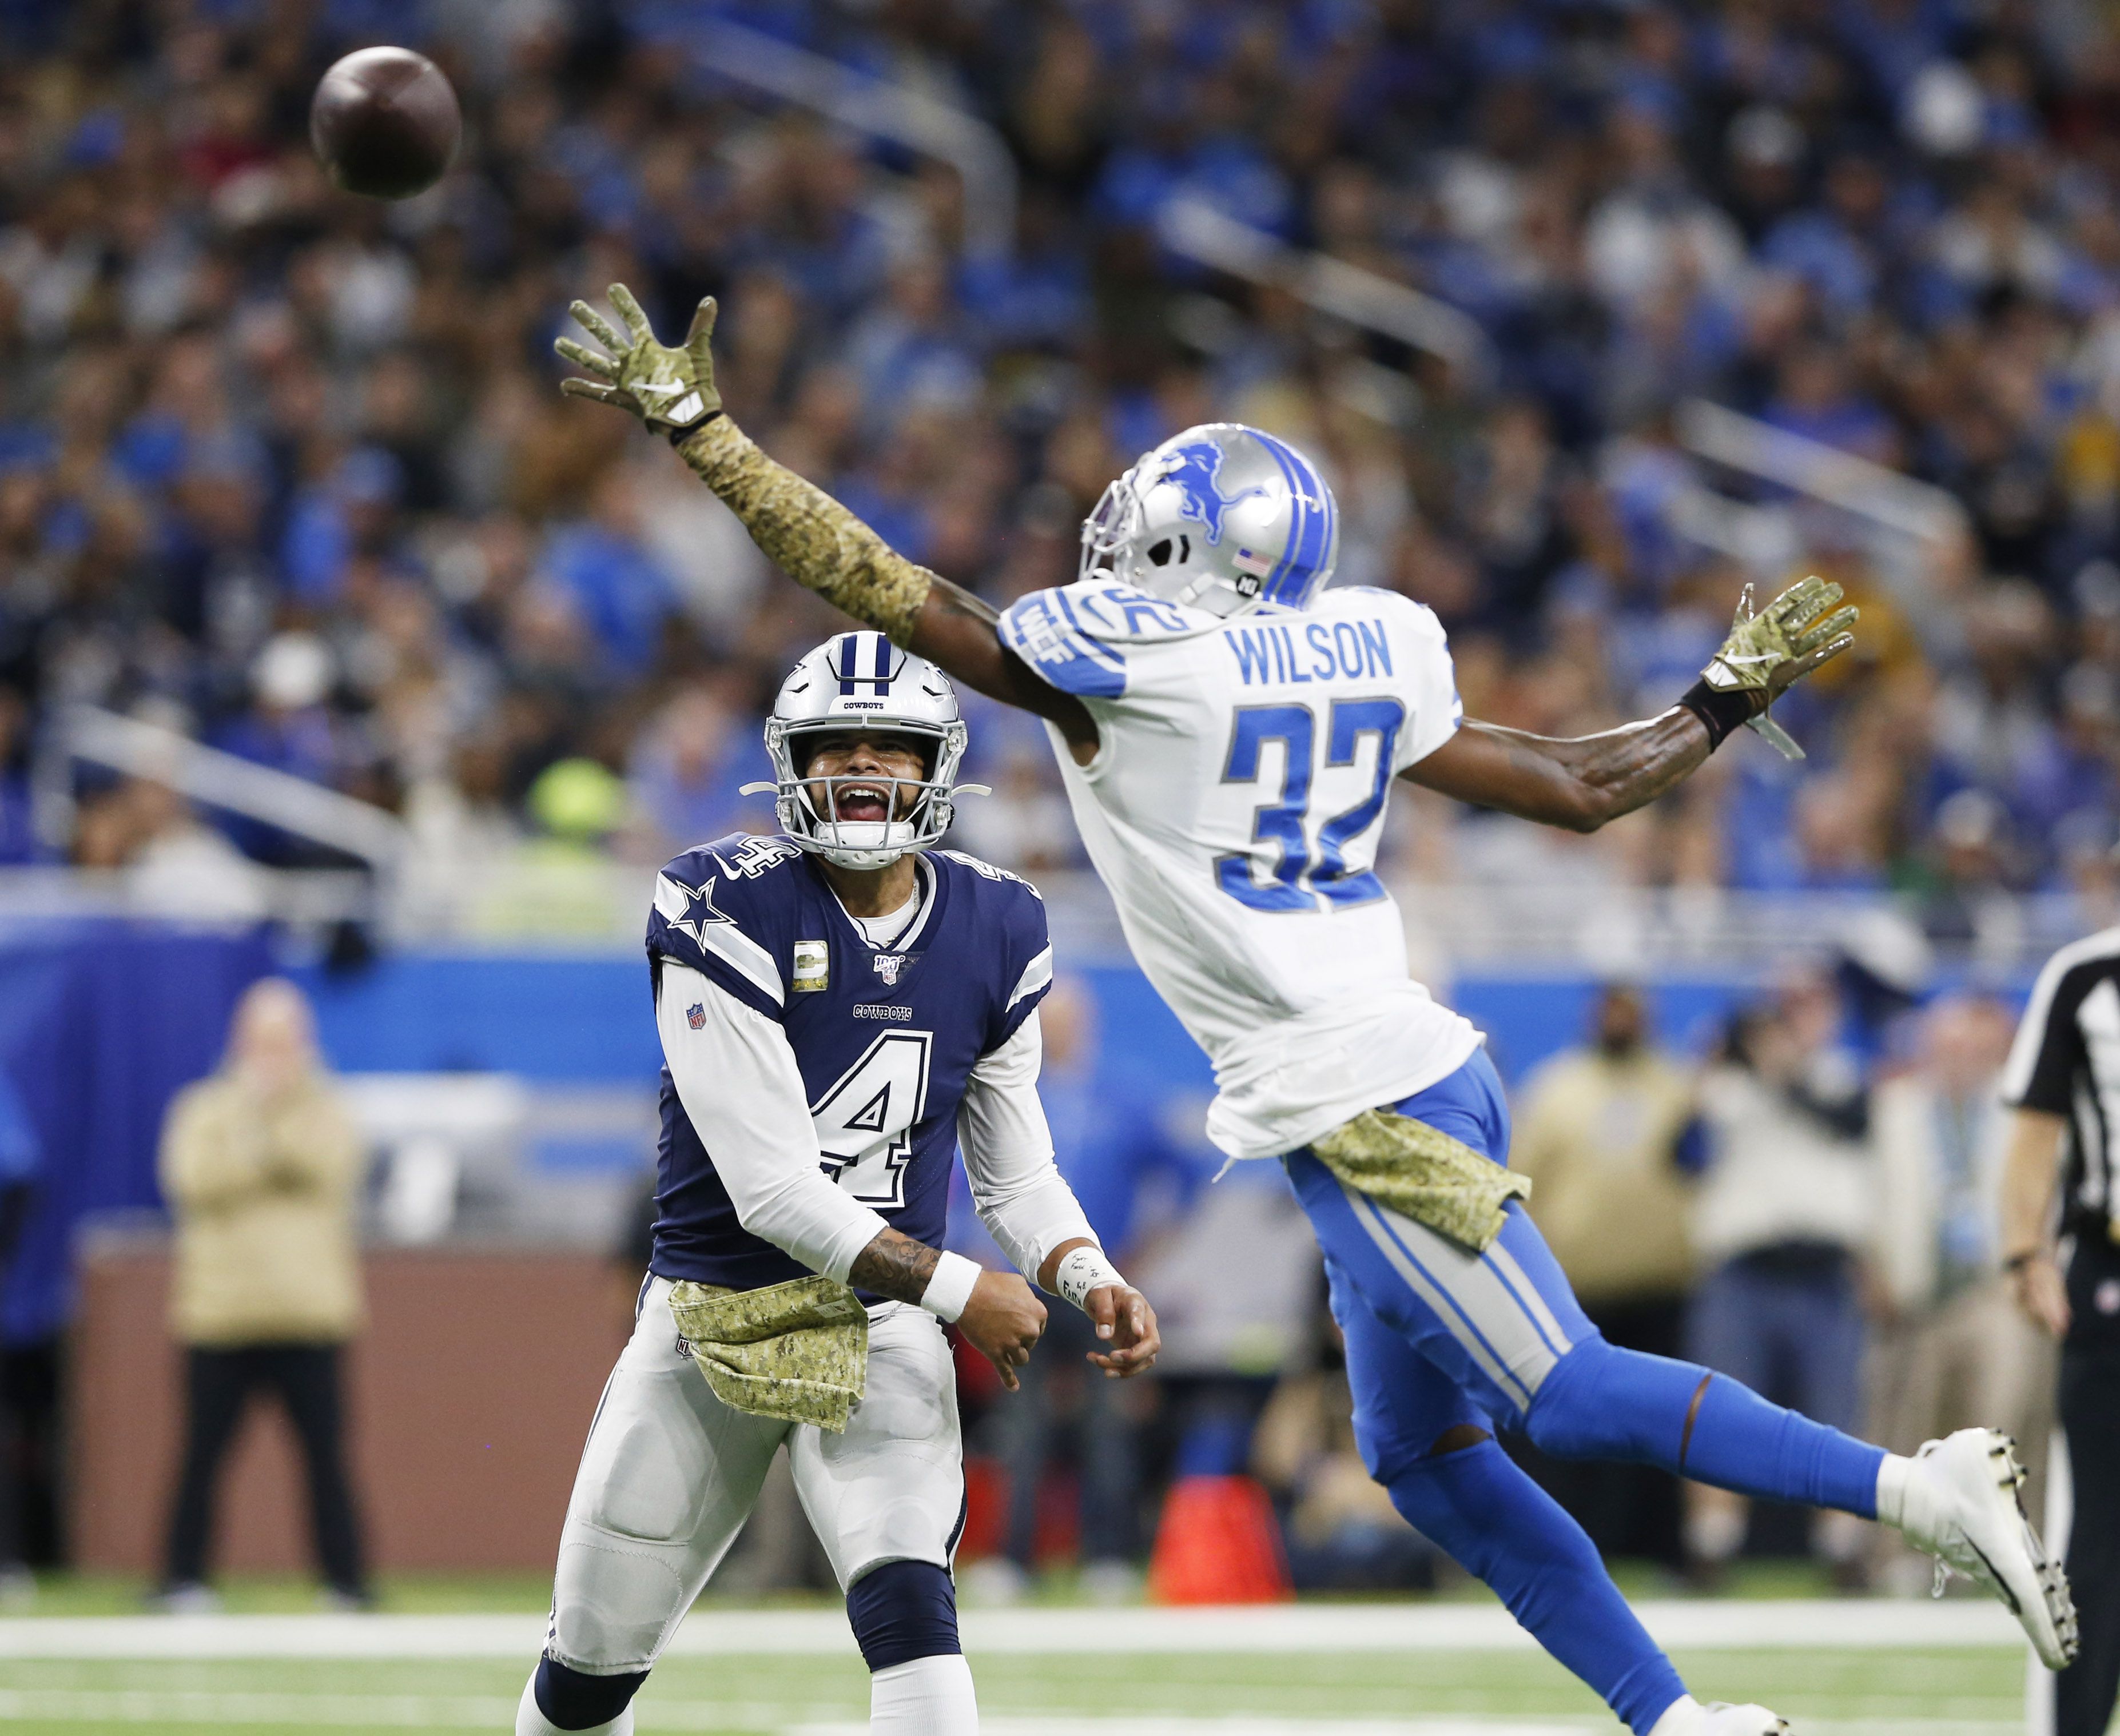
689	909
888	965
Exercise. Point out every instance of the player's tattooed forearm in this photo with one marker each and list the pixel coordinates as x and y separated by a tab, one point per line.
894	1265
1629	768
1584	782
817	543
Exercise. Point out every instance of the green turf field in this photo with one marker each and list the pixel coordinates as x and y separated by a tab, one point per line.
1975	1693
795	1673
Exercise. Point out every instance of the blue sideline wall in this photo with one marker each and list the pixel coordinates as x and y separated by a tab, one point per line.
98	1051
586	1019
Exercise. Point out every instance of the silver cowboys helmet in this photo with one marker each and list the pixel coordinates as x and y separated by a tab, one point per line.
862	681
1221	517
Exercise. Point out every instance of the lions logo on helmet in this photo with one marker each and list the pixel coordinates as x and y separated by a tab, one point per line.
862	681
1221	517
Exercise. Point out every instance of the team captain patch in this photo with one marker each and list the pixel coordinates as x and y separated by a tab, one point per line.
813	968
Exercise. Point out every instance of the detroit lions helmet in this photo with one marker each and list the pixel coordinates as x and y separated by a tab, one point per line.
862	681
1221	517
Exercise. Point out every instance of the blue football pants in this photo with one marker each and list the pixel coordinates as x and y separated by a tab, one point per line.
1440	1338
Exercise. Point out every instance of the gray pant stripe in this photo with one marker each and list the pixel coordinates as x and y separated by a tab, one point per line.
1437	1287
1468	1297
1505	1262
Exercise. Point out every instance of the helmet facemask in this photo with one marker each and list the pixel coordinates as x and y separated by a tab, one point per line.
917	811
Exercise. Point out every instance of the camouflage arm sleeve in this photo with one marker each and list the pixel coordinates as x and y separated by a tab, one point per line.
816	541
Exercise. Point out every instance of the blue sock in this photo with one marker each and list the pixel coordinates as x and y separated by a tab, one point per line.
1498	1524
1600	1403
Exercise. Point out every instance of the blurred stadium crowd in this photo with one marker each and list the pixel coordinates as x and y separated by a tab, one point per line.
289	470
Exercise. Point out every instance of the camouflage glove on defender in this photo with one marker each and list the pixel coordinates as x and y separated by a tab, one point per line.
1766	654
812	538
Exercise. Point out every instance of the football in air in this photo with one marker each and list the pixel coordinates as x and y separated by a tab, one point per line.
385	122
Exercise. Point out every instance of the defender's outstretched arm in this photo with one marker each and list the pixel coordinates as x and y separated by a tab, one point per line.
813	538
817	543
1582	782
1577	784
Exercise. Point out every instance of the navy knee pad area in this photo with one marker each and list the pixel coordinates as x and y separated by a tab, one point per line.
575	1701
901	1611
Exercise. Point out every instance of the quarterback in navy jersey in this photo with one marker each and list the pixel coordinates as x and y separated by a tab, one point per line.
885	1033
837	1005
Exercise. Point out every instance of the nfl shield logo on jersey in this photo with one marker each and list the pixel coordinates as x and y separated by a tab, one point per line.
888	965
695	1015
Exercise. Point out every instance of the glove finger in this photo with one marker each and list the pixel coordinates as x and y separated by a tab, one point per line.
582	356
1814	604
597	327
628	310
1798	667
702	334
1799	602
1838	622
1744	607
575	386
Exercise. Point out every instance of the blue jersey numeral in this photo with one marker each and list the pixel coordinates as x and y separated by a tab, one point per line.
1276	822
1299	879
1351	720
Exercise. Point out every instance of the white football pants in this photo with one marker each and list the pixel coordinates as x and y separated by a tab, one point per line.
671	1473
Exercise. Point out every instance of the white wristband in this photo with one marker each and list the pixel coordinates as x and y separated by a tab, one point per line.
951	1289
1083	1269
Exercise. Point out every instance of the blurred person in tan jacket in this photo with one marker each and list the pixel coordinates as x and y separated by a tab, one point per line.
1604	1132
262	1165
1953	1350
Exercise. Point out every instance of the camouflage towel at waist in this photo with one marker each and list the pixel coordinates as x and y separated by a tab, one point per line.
798	1351
1421	1172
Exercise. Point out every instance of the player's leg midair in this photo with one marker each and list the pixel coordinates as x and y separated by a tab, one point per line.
1503	1325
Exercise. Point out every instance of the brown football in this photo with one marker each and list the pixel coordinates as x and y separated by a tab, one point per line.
385	122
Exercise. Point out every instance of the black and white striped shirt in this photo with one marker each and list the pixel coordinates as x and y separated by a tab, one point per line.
2066	1061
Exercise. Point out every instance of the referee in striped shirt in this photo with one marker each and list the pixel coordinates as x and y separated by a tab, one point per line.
2060	1245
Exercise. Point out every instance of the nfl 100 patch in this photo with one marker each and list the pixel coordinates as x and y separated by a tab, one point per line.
813	967
891	966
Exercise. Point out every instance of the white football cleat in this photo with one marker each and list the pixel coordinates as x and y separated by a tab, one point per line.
1688	1717
1960	1505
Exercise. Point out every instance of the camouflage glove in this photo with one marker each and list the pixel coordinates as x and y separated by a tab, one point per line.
1767	654
672	390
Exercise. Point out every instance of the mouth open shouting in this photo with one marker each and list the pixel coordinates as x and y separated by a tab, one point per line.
855	798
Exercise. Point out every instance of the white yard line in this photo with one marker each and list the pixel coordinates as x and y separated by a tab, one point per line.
1781	1625
1244	1726
161	1710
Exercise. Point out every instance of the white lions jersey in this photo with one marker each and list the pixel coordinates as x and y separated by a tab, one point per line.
1234	809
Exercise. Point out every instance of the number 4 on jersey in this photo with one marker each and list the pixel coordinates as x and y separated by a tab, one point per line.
865	1121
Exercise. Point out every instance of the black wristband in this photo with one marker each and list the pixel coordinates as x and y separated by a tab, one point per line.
1719	710
679	436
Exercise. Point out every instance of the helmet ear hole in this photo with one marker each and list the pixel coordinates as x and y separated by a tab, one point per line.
1159	553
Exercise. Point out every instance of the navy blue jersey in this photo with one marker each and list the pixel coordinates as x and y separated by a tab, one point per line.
885	1040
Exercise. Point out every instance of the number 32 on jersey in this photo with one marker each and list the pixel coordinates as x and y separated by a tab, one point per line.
865	1122
1298	873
